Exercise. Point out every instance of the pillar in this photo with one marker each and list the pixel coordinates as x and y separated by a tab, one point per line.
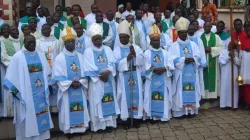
10	14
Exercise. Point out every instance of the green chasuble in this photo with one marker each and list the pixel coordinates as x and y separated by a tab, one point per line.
63	18
105	27
224	36
165	26
210	71
58	30
82	21
10	49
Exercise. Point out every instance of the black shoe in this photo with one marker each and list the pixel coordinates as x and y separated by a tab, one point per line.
100	131
69	136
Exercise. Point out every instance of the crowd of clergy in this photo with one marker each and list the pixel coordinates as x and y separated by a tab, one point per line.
129	66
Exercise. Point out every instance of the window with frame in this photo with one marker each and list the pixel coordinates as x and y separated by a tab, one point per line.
223	4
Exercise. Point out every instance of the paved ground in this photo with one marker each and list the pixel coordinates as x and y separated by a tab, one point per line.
213	124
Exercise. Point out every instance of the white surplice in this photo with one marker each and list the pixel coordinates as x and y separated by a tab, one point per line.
96	89
7	110
148	19
90	18
203	62
60	69
25	119
123	66
167	87
51	47
174	51
215	52
226	78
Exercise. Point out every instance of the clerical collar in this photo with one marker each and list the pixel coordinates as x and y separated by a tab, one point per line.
65	51
14	39
183	42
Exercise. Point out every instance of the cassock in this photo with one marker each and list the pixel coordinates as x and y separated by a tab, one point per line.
226	39
72	103
114	25
244	70
42	20
186	87
226	78
158	88
107	34
212	71
203	63
125	81
102	95
29	87
9	46
51	47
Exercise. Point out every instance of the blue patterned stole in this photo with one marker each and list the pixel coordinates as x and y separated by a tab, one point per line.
157	85
108	104
188	77
38	91
75	95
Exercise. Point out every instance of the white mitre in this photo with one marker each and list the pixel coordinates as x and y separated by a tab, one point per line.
123	28
95	29
182	24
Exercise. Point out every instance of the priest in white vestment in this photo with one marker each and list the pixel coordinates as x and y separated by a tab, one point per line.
99	67
129	61
69	76
213	47
186	57
51	47
196	39
128	11
33	27
114	25
81	38
90	18
226	78
107	30
165	39
9	46
29	87
158	86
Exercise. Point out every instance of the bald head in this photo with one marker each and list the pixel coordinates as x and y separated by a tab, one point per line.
79	29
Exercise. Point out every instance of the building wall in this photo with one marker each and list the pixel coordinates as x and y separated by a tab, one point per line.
85	4
105	5
9	8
